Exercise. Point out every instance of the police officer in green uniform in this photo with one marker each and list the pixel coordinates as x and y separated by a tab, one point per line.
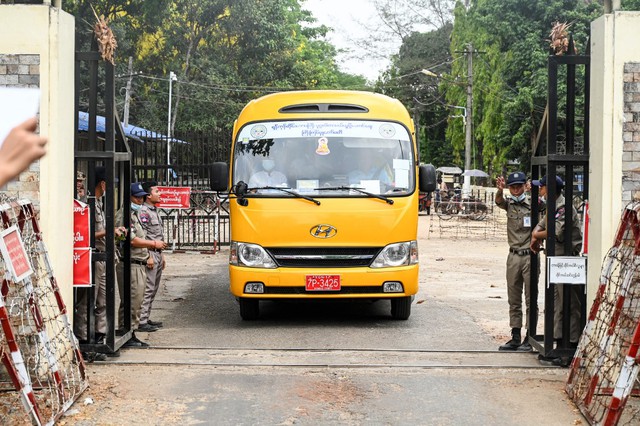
140	262
152	225
538	237
518	208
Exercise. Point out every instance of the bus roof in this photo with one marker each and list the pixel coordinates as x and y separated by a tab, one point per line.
319	104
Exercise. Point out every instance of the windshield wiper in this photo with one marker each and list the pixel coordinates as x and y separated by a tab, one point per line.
362	191
288	191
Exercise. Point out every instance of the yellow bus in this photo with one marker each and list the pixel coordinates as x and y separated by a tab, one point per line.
324	190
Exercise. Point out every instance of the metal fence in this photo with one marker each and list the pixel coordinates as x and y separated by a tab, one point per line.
185	160
204	226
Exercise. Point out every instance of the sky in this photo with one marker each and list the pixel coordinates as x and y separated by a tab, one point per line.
346	16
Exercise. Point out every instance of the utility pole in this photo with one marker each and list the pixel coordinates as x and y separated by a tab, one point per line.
172	78
466	188
127	93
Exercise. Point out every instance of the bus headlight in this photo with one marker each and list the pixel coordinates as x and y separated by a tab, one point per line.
398	254
251	255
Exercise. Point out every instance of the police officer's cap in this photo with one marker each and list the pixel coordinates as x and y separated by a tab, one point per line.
146	186
516	178
137	190
543	182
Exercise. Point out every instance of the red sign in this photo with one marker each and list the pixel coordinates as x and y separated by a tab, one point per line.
174	197
14	254
81	224
82	267
81	241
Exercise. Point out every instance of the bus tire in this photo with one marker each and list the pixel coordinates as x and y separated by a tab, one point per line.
249	309
401	308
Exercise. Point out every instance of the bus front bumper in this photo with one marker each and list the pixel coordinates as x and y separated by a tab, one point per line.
324	283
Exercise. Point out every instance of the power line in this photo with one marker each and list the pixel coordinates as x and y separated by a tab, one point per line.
234	88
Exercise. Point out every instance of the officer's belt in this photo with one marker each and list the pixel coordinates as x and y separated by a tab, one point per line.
134	261
523	252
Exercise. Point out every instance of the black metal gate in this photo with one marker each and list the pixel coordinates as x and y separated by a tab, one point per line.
185	160
95	94
562	148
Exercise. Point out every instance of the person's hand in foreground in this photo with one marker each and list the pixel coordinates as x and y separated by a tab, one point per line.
21	147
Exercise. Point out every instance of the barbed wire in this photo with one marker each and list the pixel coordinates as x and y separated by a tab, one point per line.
604	371
39	352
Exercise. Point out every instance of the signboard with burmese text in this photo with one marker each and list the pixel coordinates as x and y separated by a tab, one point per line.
174	197
567	270
81	245
14	254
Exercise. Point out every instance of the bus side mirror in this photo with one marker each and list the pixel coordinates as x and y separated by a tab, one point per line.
427	178
219	177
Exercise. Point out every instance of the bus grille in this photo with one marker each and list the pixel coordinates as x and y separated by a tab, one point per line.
321	257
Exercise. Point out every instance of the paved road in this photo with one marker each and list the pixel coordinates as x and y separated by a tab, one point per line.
331	363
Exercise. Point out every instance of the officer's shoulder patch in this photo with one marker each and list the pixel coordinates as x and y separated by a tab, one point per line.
144	217
559	212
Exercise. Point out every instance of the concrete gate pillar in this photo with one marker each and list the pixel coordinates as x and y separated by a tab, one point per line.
614	133
37	50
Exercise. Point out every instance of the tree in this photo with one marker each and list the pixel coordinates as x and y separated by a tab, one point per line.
405	81
631	4
510	71
224	53
396	21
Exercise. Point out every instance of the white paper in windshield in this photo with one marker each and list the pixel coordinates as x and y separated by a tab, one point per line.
401	172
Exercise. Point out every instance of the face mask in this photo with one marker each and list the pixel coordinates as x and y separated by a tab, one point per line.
135	207
543	199
268	165
520	198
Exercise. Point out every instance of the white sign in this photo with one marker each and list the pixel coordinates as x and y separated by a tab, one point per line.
17	104
567	270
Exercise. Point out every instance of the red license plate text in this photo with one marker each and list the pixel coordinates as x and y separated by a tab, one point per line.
323	283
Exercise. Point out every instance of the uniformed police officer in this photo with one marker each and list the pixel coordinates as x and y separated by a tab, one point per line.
518	208
152	225
537	239
140	261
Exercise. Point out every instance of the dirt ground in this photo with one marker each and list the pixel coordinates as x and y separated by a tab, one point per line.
460	270
464	263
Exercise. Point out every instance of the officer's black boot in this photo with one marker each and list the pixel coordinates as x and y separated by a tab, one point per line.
525	346
512	345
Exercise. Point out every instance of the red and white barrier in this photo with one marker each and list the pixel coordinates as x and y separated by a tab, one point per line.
45	364
606	364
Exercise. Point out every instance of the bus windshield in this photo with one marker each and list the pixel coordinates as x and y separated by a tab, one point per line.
337	158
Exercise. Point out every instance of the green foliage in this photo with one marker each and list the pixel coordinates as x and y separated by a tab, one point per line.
405	81
510	38
631	4
224	53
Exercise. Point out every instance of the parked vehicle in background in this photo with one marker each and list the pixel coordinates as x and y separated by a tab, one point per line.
324	199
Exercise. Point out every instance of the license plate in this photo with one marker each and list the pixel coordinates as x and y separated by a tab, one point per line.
323	282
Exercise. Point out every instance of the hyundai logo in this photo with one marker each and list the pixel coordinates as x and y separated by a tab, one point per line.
323	231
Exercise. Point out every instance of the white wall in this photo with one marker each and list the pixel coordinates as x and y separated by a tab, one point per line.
49	32
614	42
